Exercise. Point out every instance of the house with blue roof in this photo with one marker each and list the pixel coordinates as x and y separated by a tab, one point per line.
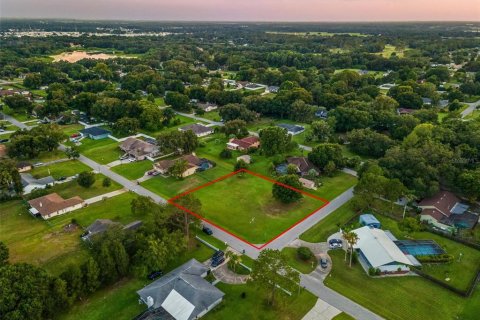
95	133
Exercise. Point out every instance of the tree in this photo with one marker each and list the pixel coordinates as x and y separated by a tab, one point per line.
367	142
91	274
181	219
233	260
72	152
304	253
178	101
177	141
4	254
18	103
126	126
86	179
107	182
74	280
469	183
274	140
226	154
32	80
285	194
271	270
237	128
29	292
178	168
322	154
235	111
320	131
10	179
351	238
239	165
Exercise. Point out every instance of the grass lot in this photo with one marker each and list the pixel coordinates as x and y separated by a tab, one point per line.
70	129
48	156
295	262
60	169
254	306
120	301
249	210
72	188
133	170
102	151
343	316
328	226
212	115
461	271
389	49
331	187
402	298
475	114
47	243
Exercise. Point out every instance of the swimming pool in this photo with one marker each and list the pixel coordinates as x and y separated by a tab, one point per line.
419	247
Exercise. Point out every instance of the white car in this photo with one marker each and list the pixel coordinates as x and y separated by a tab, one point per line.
132	159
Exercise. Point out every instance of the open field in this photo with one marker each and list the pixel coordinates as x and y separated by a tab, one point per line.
183	121
133	170
72	188
70	129
320	33
60	169
402	298
389	49
298	264
102	151
248	209
75	56
48	156
254	306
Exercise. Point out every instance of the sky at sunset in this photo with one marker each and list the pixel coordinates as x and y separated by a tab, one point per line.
246	10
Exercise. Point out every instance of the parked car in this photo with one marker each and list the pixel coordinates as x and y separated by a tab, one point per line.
207	230
132	159
218	261
3	140
323	263
38	164
155	173
335	243
155	274
62	179
218	254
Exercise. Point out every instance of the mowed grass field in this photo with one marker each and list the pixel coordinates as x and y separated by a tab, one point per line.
133	170
102	151
60	169
244	205
401	298
48	243
72	188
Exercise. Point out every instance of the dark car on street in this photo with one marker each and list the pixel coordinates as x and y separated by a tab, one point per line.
207	230
323	263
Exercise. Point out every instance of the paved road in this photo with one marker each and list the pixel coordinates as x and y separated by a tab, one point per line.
471	107
335	299
15	122
130	185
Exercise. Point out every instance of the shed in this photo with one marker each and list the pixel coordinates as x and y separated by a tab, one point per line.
369	220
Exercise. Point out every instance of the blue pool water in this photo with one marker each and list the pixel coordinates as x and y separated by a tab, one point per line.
419	247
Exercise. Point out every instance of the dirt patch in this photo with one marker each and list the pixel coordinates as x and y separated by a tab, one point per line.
75	56
70	228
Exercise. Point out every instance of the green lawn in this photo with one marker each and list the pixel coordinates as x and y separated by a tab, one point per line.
389	49
70	129
183	121
248	209
254	306
402	298
343	316
328	226
331	187
133	170
48	156
60	169
295	262
212	115
120	301
72	188
102	151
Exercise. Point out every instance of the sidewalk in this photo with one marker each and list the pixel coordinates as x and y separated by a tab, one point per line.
105	196
321	311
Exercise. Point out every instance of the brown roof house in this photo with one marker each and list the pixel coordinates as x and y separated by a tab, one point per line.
446	211
304	166
53	205
199	129
24	166
244	144
193	164
139	149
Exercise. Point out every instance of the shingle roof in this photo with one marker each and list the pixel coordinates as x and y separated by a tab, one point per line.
443	201
52	203
302	163
291	127
187	281
197	128
137	147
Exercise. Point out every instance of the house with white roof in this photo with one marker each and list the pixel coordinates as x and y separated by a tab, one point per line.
376	249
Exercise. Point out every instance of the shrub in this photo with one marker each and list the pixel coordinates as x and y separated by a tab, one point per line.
107	182
226	154
86	179
243	295
304	253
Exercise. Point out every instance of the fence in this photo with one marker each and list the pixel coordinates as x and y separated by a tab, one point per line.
464	293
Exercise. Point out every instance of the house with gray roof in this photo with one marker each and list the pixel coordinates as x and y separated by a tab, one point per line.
30	183
182	294
99	226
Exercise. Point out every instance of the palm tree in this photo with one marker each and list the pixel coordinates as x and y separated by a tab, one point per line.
351	238
234	259
345	231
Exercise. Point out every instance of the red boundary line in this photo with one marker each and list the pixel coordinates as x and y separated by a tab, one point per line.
172	201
